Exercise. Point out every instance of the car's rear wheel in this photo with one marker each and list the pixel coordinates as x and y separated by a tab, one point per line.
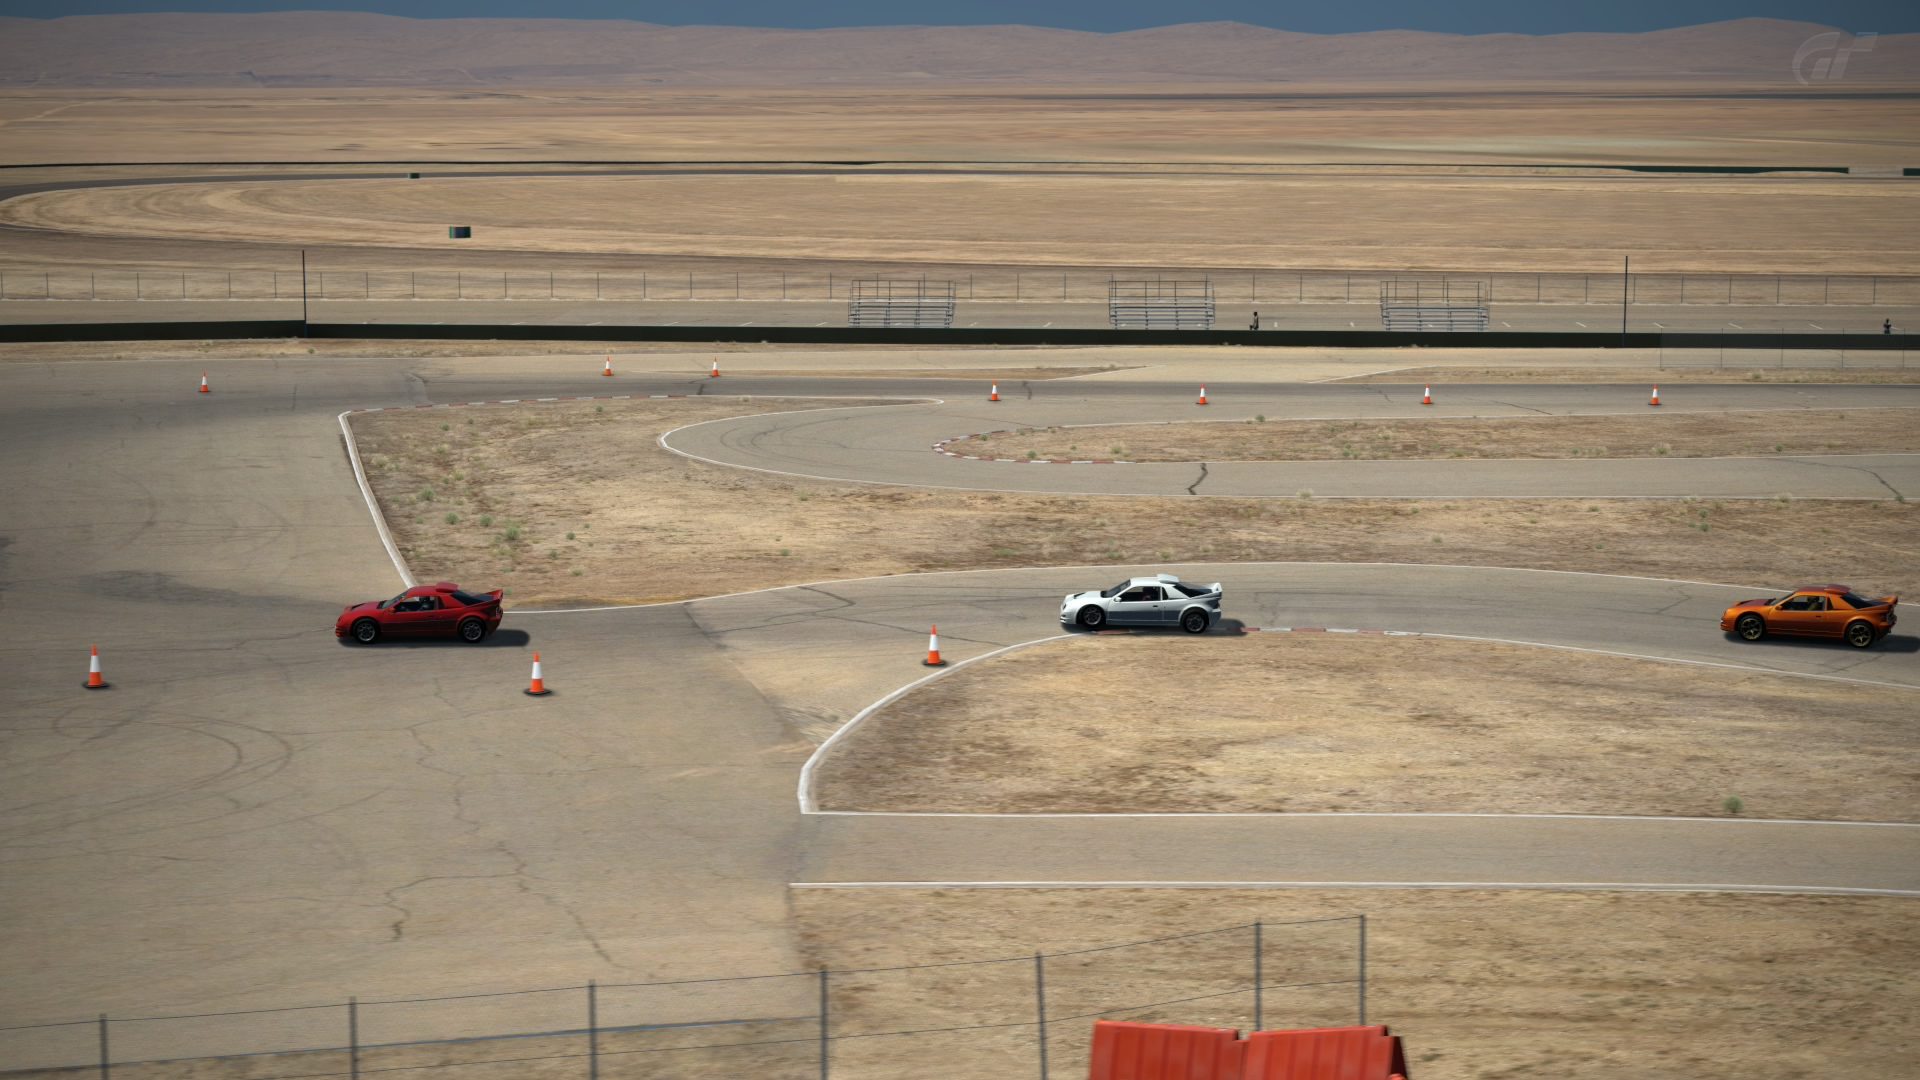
1194	622
1091	617
1859	634
366	631
473	631
1750	627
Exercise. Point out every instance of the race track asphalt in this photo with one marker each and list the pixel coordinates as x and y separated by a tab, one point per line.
257	815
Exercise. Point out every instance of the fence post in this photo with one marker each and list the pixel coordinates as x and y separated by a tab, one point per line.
136	285
824	1031
783	284
593	1030
689	284
229	284
366	284
353	1038
1016	286
1363	971
549	284
106	1057
596	284
93	292
1258	980
1040	1005
736	284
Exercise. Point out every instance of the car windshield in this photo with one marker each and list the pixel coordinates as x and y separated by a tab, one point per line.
385	604
1116	590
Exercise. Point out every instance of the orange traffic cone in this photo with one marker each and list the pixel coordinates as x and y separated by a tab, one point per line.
608	370
203	384
1655	399
94	681
933	650
1203	395
715	373
539	687
994	394
1426	397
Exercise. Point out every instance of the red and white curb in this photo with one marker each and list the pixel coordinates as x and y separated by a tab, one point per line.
945	446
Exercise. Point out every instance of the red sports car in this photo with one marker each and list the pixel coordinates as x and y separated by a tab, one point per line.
442	609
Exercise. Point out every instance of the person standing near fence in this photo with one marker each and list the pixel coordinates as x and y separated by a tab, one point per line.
1886	326
1256	321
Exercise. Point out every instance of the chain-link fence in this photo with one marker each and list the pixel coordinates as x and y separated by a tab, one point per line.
1010	1016
1269	287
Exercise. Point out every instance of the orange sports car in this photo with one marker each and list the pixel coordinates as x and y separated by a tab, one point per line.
1814	611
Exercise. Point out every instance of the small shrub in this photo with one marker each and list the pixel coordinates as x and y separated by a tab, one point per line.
1662	450
512	534
577	571
453	518
1260	418
1777	447
599	409
426	495
486	521
569	536
446	427
1733	804
553	553
784	552
1305	493
1031	455
1116	451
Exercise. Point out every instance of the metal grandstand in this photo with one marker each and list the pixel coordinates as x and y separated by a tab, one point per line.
907	302
1160	304
1421	304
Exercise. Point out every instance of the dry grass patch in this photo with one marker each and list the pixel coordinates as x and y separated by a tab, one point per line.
1649	434
648	525
1481	985
1285	722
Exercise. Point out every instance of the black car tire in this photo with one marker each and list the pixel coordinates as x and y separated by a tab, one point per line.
1194	621
1091	617
1859	634
473	631
1750	627
366	631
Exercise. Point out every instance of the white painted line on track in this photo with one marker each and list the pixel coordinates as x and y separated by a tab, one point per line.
1549	886
373	507
807	805
1491	815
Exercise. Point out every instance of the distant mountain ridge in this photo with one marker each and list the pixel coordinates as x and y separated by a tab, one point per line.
348	49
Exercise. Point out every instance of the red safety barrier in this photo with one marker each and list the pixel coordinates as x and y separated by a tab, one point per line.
1354	1053
1127	1051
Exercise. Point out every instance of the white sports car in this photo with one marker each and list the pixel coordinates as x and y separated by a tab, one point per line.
1161	600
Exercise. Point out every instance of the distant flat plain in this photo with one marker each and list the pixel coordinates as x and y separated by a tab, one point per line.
1453	177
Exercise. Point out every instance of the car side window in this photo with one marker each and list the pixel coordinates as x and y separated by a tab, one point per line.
429	603
1816	603
1140	594
1797	603
409	604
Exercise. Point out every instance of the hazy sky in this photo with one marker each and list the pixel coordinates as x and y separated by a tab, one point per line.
1318	16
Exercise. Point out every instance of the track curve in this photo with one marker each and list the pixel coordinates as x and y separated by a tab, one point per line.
424	824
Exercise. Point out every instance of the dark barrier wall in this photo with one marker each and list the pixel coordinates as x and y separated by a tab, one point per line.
844	335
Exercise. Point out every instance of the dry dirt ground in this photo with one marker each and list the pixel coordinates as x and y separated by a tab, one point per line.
1575	223
1481	985
1650	434
574	503
1280	724
1862	367
1439	126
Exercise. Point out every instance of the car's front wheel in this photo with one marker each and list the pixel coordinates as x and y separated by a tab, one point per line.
1859	634
1194	622
366	631
473	631
1091	617
1750	627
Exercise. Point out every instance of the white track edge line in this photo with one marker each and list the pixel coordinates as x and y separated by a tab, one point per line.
373	507
807	803
1256	814
1547	886
1109	566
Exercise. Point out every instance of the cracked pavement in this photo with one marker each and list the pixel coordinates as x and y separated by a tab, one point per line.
256	815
